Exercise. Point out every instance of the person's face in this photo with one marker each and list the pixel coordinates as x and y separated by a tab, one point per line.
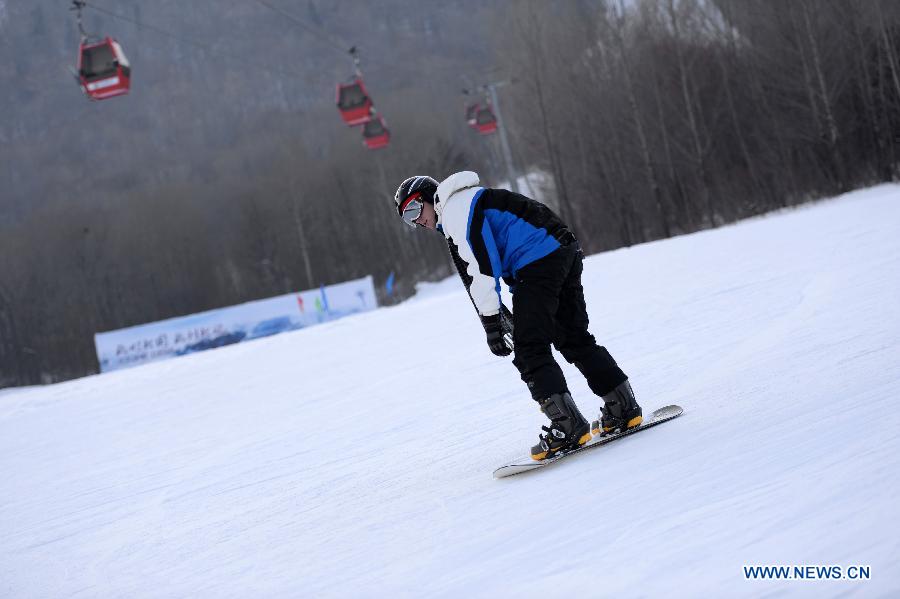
428	218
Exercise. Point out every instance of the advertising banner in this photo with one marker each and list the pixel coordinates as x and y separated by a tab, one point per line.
215	328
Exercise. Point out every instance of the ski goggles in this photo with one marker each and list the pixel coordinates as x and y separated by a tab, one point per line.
411	209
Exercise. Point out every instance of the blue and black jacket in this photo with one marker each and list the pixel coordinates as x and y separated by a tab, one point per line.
494	233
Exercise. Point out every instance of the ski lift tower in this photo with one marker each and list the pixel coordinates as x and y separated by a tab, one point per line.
504	140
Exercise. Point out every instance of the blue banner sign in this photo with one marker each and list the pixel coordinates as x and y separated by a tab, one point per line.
206	330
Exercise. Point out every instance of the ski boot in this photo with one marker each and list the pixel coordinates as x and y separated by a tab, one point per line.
568	429
620	411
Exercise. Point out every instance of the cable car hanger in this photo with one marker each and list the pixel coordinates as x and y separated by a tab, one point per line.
354	52
78	6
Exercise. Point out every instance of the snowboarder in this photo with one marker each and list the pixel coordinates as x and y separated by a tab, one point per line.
494	234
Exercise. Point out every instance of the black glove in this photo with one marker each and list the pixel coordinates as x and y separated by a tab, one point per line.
499	339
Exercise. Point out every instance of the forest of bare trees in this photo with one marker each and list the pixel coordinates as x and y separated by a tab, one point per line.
673	116
650	119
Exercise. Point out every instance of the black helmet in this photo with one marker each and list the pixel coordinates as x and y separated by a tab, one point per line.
426	186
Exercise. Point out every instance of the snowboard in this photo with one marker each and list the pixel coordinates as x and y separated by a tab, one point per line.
526	463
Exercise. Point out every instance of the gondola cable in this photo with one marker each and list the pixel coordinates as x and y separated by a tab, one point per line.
206	47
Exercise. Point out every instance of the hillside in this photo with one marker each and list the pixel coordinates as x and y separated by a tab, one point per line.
355	458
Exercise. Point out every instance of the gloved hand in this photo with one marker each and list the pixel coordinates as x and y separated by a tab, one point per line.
498	339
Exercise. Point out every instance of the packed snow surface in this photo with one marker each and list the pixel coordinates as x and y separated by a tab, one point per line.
354	459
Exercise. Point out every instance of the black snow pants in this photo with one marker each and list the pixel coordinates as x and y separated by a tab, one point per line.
549	308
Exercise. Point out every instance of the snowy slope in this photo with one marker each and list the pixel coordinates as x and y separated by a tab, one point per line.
354	459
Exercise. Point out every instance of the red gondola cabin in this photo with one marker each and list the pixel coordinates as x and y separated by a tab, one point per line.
485	121
103	69
376	134
354	102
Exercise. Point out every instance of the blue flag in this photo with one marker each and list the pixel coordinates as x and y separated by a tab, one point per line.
324	298
389	284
